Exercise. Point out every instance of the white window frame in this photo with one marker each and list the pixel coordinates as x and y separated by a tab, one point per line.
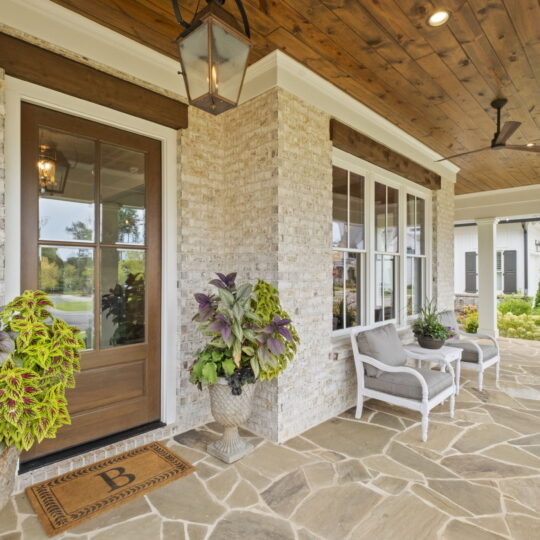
362	252
422	256
372	174
498	253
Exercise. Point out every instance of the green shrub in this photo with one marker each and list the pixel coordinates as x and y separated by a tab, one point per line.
522	326
537	300
470	322
518	305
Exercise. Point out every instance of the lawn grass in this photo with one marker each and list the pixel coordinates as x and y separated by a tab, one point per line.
80	305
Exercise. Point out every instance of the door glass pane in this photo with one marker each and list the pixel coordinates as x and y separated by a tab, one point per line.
122	195
356	230
67	275
411	229
66	178
339	207
122	289
392	228
353	289
380	217
338	318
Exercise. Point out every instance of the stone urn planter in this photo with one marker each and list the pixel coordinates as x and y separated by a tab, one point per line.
430	343
230	411
8	469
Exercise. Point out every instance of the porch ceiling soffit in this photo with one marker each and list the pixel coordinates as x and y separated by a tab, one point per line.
47	22
502	203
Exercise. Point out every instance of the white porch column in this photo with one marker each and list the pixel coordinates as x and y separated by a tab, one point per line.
487	275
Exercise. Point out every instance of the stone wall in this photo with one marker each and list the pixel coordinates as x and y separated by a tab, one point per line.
313	387
443	245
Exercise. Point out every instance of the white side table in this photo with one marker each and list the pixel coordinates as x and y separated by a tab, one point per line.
441	356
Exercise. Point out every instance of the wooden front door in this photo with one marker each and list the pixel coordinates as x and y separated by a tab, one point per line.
91	236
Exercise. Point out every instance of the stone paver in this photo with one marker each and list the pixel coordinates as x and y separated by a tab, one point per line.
477	477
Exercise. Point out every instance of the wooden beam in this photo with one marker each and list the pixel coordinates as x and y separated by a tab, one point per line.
34	64
347	139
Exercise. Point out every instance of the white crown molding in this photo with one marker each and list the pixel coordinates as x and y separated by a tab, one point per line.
72	32
503	203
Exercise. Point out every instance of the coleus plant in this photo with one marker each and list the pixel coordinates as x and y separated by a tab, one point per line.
251	336
39	355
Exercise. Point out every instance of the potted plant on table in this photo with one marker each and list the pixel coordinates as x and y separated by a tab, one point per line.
39	355
429	332
251	338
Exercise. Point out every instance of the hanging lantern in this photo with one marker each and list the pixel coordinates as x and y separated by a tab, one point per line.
53	169
214	55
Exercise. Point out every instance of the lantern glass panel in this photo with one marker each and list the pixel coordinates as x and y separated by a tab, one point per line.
229	59
194	55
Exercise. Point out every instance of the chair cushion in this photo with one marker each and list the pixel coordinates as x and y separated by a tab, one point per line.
383	344
407	385
470	353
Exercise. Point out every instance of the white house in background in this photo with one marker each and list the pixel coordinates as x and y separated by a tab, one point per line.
517	259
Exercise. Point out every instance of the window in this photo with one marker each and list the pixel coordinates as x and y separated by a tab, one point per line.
386	251
415	244
500	271
348	240
380	245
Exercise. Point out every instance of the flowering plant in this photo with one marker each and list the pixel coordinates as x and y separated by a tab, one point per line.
427	324
39	355
251	337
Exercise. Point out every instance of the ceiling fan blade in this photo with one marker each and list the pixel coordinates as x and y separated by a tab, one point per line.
464	154
523	147
507	131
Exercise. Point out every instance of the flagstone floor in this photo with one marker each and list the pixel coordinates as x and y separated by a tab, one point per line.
477	477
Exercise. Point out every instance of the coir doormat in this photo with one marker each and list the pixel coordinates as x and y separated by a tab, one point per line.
69	499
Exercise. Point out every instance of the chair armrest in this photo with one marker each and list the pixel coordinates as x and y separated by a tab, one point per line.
472	337
363	359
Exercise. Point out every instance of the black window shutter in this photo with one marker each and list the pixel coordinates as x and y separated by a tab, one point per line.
510	272
470	272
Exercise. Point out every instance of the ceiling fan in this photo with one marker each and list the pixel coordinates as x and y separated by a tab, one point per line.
501	135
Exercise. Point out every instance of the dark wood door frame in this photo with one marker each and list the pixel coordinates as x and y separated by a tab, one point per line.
142	409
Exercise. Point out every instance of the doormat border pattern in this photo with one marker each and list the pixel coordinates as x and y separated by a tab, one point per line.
55	519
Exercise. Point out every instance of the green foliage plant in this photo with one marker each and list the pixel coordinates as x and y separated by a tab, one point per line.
249	334
518	305
537	299
39	355
522	326
124	305
427	324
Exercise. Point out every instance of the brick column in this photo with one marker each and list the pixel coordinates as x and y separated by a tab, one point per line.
2	188
443	246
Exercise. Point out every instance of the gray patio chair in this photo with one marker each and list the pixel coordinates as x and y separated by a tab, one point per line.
380	358
478	356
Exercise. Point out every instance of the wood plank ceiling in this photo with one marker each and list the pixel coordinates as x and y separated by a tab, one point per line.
434	83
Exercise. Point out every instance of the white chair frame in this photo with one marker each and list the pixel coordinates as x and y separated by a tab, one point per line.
482	364
424	406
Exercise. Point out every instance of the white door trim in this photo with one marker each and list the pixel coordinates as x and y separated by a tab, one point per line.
18	91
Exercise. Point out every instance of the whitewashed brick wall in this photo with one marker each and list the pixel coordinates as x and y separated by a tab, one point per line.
443	245
2	189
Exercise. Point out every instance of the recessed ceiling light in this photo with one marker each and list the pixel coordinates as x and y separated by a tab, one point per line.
530	144
438	18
